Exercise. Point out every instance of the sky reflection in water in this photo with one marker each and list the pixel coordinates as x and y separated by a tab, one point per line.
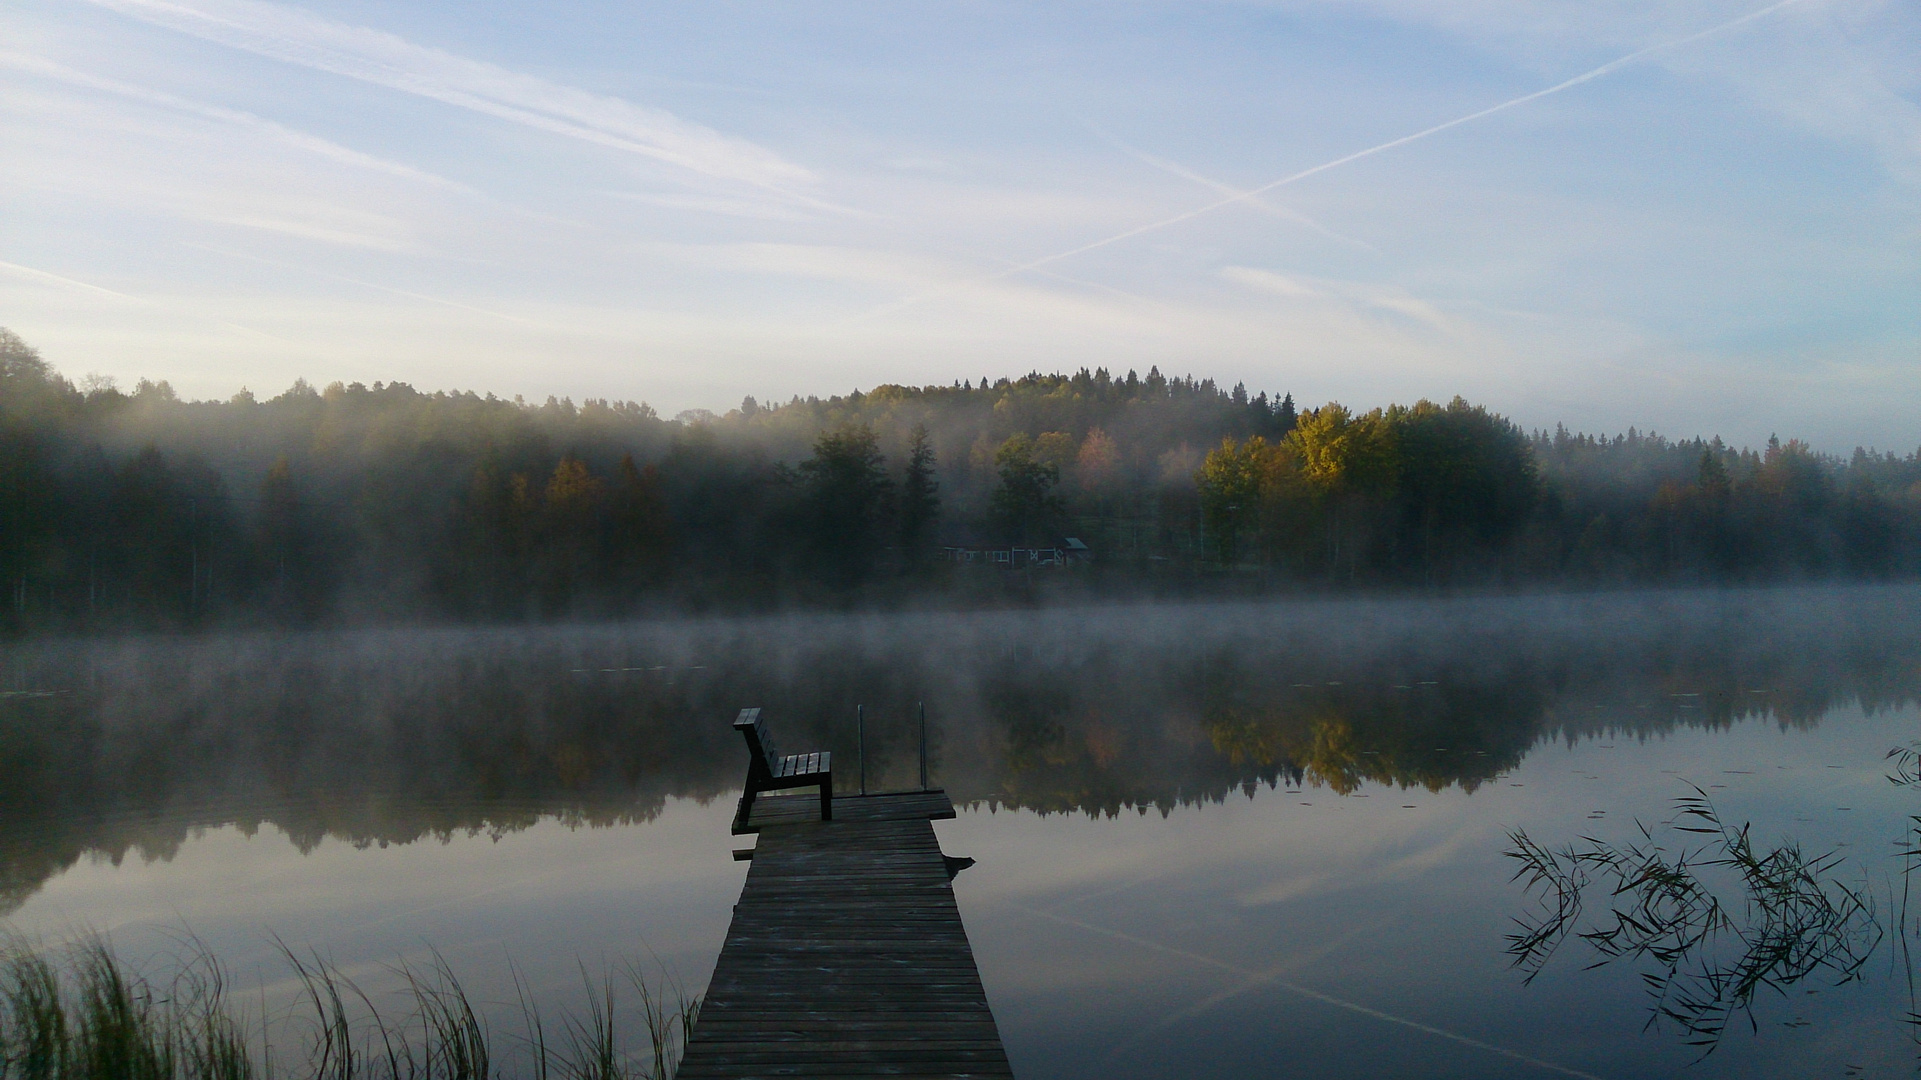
1211	840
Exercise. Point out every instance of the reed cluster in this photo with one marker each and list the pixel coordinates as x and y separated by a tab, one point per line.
83	1013
1709	920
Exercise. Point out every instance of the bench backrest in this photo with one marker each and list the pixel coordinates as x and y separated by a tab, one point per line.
760	742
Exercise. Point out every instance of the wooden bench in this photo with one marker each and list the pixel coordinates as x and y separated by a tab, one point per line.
770	770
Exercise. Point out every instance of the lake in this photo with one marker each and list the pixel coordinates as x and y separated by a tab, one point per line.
1210	840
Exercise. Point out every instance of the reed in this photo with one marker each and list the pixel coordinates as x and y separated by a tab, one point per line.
1710	920
82	1013
92	1017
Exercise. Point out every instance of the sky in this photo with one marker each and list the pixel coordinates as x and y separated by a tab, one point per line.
1692	216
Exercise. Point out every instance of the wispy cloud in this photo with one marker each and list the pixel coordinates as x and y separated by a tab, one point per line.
300	140
170	168
294	36
1846	72
1372	299
1846	82
308	269
1718	220
1245	196
723	205
1268	281
391	240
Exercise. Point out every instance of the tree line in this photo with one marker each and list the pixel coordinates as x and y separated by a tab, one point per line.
138	509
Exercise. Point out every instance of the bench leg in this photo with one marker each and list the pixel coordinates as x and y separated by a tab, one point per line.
827	798
746	810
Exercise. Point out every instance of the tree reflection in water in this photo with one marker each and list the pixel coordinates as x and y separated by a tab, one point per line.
391	737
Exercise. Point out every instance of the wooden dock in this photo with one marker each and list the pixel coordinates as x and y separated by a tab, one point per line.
846	956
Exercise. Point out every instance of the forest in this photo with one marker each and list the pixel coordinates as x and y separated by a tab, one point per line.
138	510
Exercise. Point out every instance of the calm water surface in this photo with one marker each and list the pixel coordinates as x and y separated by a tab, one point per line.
1211	841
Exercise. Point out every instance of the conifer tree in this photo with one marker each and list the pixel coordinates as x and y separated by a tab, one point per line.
919	496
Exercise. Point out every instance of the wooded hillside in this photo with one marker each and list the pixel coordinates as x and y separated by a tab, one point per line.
138	509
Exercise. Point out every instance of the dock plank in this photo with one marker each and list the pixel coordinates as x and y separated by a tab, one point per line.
846	955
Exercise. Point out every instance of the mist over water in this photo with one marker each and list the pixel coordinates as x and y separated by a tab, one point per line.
1188	818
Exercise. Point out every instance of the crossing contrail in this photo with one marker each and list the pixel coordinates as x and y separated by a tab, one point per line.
1253	193
1286	213
1272	979
1586	76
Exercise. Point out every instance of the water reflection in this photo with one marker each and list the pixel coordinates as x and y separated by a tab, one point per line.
1775	918
392	737
1709	919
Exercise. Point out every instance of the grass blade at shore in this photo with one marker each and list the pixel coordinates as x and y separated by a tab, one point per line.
82	1013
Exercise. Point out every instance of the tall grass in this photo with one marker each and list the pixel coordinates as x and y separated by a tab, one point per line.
91	1017
82	1013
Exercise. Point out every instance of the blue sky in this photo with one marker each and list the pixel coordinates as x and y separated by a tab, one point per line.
689	203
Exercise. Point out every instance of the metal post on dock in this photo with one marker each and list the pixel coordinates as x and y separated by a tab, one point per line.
922	706
860	738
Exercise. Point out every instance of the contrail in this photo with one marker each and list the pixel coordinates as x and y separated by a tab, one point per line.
369	285
1285	213
1326	999
1587	76
1254	982
42	275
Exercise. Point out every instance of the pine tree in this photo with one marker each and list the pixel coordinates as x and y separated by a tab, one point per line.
642	528
849	497
919	496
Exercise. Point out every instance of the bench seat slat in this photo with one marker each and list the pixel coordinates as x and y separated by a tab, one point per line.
798	765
